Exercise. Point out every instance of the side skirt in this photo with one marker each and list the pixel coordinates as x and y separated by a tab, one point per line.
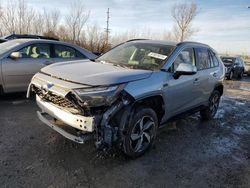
183	115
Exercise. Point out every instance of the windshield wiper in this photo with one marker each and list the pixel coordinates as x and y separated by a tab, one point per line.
120	65
105	62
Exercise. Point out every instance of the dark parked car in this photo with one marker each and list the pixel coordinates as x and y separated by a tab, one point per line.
234	67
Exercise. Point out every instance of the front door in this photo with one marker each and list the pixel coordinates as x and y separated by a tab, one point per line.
182	93
17	73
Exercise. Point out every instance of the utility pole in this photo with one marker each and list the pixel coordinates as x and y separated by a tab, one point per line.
107	30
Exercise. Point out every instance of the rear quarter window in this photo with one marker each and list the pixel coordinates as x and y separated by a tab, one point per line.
214	62
203	59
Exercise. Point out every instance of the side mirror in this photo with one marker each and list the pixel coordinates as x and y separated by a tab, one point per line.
15	55
184	69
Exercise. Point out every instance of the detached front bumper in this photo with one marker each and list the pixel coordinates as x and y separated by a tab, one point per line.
78	139
79	122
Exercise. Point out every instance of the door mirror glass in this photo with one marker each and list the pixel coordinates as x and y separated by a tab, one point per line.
185	69
15	55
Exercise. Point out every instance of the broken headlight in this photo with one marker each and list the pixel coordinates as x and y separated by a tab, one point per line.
99	96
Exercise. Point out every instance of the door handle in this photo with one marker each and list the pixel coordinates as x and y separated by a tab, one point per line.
214	74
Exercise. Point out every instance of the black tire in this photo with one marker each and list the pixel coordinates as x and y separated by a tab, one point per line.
230	76
141	132
1	90
209	112
241	74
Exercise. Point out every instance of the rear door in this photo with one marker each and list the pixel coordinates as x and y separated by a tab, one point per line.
66	53
208	72
17	73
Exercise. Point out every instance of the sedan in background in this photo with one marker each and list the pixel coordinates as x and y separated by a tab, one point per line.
234	67
20	59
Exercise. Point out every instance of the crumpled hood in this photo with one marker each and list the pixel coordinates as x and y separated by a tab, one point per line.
94	74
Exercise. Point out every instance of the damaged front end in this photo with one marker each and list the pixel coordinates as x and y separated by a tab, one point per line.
92	112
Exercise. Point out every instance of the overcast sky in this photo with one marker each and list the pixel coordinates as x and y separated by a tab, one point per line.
223	24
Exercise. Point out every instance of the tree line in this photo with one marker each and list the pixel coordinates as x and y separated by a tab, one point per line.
19	17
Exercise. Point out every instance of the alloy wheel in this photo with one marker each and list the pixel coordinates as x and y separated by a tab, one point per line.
214	104
142	134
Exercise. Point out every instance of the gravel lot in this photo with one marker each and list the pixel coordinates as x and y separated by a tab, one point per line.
197	154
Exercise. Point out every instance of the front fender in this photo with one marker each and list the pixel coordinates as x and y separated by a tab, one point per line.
151	86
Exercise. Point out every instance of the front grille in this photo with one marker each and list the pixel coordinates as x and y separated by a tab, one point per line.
57	100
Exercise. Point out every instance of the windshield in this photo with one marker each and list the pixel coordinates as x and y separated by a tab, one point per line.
137	55
6	46
228	60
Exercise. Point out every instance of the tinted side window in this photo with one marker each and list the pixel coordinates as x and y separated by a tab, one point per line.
203	60
185	56
237	61
62	51
213	59
241	62
36	51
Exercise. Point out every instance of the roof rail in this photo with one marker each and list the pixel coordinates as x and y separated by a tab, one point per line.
135	40
191	42
18	36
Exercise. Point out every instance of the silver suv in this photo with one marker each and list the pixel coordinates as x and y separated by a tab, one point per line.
123	97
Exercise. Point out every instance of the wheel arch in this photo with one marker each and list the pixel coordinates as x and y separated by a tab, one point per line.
219	87
156	102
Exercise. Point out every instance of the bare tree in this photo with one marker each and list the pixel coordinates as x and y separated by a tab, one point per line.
24	17
1	14
17	17
8	17
38	26
95	39
52	20
183	15
76	20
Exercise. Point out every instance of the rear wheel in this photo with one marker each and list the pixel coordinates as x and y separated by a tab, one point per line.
210	111
141	132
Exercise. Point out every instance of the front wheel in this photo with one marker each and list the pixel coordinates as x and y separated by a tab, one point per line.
209	112
141	132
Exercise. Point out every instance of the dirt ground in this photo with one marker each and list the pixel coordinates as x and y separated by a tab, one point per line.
197	154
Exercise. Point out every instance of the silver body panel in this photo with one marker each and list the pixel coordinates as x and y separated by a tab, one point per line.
15	75
94	74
